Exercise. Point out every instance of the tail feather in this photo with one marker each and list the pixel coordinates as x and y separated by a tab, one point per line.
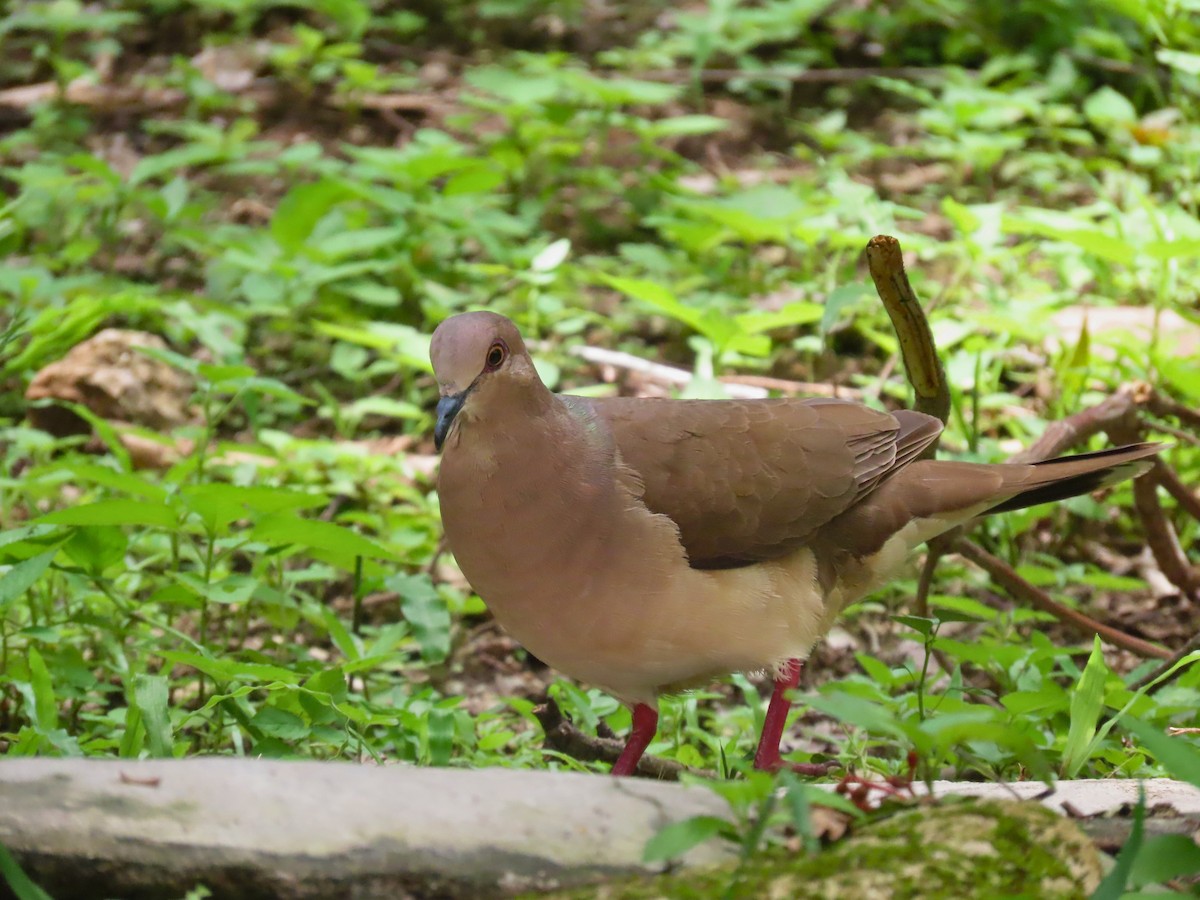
1054	479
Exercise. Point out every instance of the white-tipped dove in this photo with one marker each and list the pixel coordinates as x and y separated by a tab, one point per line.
647	546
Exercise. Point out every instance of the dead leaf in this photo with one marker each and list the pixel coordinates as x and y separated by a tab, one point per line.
108	375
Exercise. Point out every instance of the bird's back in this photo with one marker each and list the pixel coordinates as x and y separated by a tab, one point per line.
751	480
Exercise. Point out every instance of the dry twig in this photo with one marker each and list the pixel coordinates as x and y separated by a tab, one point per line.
563	736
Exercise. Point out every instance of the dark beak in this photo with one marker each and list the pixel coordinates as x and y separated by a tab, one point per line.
447	409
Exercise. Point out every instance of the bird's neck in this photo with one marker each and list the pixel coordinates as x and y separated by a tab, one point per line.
522	494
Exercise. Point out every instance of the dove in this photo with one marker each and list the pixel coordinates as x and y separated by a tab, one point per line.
649	546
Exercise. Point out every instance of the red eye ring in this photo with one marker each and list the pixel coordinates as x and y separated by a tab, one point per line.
496	355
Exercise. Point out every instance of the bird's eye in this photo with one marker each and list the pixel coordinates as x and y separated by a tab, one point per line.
495	356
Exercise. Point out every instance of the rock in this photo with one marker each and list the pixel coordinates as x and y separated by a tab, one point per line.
259	828
1084	796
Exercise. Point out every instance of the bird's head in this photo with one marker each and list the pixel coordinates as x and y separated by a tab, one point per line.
476	356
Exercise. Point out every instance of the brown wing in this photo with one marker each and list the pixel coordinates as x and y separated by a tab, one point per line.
747	480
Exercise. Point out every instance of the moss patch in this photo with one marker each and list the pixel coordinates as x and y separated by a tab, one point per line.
964	848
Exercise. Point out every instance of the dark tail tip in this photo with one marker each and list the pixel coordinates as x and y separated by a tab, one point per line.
1124	463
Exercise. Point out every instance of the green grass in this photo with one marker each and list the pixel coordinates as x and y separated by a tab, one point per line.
277	590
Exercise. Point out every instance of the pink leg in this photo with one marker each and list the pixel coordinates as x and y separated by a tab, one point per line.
767	757
645	726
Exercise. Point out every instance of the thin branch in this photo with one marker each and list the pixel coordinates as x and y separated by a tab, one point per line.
922	366
1161	536
1005	575
937	548
1160	533
1173	485
1179	433
1078	428
1167	408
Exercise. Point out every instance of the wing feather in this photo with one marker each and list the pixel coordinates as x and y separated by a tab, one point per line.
751	480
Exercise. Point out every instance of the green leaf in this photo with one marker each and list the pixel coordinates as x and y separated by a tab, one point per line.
112	512
134	736
1183	248
426	612
440	723
655	295
151	694
876	670
1113	885
376	405
302	208
232	589
123	482
260	386
171	161
975	726
618	91
1105	246
22	885
219	374
219	504
230	669
361	242
920	624
789	316
1181	61
523	88
678	838
401	341
21	577
1165	857
279	723
478	179
1087	701
721	330
863	713
963	218
340	635
675	126
1107	108
96	547
342	543
815	796
799	806
1176	754
839	300
45	707
328	681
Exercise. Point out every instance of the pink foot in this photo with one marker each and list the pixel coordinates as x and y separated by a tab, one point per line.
645	726
767	758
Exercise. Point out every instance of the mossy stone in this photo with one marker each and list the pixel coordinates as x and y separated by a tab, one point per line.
957	849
